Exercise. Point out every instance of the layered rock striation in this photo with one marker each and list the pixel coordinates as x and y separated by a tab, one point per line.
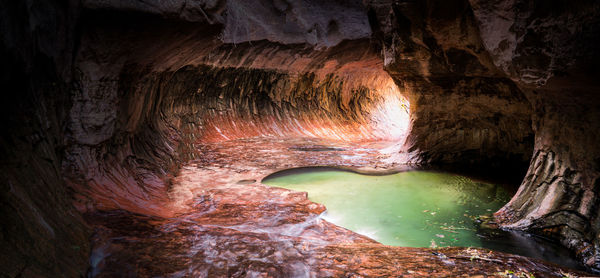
110	100
137	116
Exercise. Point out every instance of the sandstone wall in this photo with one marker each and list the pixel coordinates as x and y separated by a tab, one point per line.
41	232
547	49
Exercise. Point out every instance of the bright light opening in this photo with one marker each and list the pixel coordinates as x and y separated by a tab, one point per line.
391	116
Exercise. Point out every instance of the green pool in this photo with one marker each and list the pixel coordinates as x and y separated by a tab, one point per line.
418	208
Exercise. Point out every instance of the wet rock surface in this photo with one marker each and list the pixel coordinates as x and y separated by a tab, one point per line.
221	228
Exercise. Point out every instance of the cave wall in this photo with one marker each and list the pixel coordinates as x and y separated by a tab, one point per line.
542	52
558	197
144	102
313	22
42	235
550	51
464	111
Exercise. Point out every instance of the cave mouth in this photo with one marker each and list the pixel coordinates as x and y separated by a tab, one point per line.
418	209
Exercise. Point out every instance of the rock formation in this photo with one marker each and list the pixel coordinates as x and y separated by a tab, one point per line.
125	119
538	58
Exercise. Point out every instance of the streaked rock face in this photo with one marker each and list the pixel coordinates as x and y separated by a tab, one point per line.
546	50
533	41
149	112
549	50
463	110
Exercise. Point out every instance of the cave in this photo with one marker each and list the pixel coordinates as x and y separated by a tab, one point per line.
138	136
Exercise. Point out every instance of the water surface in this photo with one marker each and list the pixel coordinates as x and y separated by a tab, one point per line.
416	209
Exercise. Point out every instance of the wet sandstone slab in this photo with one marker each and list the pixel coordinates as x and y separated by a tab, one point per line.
222	222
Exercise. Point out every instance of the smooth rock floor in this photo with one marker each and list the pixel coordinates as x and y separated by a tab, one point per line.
224	223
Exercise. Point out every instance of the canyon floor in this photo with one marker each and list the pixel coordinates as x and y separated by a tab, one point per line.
220	221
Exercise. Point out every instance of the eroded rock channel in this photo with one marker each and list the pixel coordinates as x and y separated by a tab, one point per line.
136	133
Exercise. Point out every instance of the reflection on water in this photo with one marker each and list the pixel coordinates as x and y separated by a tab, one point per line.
416	209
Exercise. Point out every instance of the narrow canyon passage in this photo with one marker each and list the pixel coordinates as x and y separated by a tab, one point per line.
137	135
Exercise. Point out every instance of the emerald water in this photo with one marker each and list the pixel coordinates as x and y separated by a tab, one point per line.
417	209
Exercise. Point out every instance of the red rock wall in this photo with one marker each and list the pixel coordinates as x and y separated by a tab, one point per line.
463	49
138	115
549	50
463	110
